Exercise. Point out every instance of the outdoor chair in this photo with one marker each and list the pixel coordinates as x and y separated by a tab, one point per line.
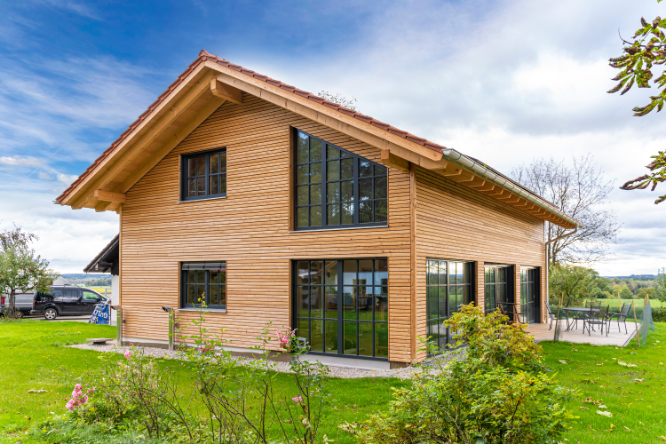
596	317
553	317
621	317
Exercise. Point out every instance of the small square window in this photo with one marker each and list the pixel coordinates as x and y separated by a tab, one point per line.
204	285
204	175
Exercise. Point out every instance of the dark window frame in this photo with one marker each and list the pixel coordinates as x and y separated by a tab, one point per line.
496	285
340	319
445	287
324	206
184	160
201	267
530	282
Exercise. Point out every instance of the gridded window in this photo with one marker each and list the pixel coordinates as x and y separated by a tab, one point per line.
336	188
204	283
341	306
529	295
448	287
497	289
205	175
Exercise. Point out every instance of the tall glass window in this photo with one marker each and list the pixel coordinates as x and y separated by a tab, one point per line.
529	295
498	292
335	188
341	306
448	287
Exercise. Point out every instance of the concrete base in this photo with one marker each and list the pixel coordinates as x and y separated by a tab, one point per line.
332	361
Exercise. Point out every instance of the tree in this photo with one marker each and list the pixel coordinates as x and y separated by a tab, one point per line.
642	55
572	283
650	292
339	99
21	269
579	190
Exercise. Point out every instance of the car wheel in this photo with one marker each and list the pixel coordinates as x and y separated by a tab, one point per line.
50	314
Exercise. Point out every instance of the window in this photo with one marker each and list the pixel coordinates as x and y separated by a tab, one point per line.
448	287
529	295
335	188
71	294
90	295
204	175
341	306
498	292
204	282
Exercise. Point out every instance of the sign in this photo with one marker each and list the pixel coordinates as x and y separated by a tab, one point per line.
101	315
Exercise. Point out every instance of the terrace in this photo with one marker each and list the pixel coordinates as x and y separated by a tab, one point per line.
541	332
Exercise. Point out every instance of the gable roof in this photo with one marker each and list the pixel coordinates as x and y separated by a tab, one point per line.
107	259
210	68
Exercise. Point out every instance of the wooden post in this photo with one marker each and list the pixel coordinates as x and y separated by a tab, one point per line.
638	336
557	318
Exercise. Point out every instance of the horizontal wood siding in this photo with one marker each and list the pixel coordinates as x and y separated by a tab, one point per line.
458	223
249	229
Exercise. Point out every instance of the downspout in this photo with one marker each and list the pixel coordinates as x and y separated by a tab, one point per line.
564	236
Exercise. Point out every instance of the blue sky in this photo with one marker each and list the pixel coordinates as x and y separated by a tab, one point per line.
505	81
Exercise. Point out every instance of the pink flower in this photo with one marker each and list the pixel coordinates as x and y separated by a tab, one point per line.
128	354
77	386
297	399
70	405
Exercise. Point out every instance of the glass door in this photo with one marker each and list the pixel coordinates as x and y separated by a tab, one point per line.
341	306
529	295
499	289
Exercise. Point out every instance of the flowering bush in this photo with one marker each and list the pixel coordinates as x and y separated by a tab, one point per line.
78	397
287	340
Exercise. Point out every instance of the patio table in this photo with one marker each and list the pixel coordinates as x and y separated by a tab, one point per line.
577	310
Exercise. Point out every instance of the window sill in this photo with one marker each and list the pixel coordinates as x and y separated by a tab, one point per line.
202	199
339	229
207	310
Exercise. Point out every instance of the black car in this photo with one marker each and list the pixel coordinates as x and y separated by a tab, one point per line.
66	300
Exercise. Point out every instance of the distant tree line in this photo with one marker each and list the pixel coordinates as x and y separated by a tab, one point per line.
574	283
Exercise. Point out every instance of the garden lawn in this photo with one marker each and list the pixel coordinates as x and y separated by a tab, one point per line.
633	395
33	356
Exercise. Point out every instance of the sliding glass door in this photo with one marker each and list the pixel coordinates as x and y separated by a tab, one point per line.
529	295
341	306
499	288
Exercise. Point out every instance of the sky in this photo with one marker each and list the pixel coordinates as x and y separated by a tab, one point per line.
506	81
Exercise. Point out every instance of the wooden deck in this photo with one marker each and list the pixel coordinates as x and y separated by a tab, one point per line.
541	332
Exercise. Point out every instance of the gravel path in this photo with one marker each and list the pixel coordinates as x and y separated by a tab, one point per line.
434	365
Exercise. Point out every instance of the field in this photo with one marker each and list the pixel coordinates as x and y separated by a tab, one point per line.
34	357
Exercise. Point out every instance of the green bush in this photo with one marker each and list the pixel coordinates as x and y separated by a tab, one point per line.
498	394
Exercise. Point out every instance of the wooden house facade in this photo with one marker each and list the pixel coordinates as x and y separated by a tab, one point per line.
272	205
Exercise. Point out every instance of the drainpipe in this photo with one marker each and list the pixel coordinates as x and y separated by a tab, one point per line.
565	235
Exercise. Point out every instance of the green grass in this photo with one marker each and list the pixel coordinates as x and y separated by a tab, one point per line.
32	356
636	405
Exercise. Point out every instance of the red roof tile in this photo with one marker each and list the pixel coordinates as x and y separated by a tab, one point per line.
204	56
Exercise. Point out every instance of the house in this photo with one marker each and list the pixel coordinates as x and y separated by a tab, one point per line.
108	261
275	205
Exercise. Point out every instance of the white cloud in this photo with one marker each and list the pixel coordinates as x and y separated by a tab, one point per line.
67	179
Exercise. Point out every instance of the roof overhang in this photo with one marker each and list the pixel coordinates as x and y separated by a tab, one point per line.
210	82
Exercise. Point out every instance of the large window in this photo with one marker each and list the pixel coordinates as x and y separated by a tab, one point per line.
335	188
498	288
448	287
341	306
204	175
529	295
204	282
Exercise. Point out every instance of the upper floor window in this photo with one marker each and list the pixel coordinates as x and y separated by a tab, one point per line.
204	175
335	188
204	283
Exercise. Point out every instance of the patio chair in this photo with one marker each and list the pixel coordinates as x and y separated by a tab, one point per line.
553	317
596	317
621	317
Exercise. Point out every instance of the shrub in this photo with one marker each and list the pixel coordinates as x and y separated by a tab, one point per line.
498	394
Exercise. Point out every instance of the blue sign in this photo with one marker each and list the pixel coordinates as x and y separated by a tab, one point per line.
101	315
